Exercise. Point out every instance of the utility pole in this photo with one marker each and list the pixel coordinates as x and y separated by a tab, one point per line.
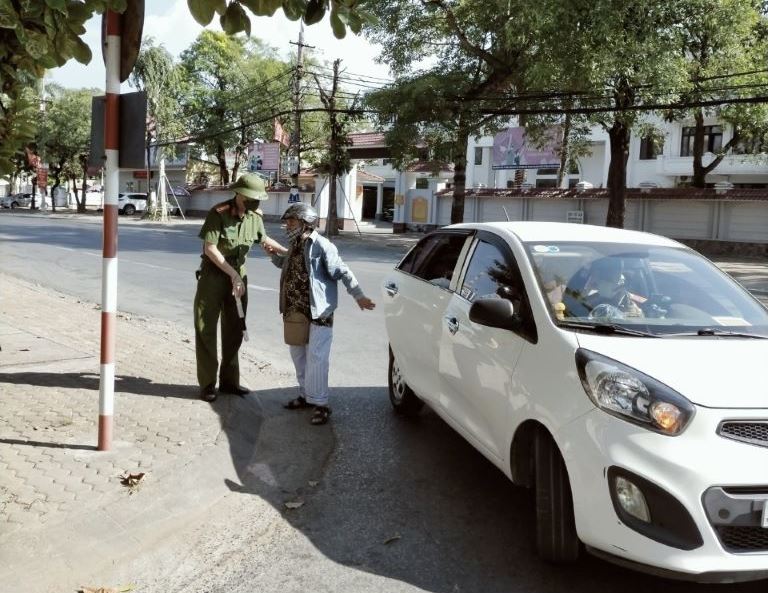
296	136
329	102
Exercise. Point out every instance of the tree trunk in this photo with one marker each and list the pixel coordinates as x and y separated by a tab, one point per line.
56	183
222	160
459	176
34	192
617	174
699	172
81	205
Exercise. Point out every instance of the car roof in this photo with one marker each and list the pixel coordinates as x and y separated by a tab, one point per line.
528	231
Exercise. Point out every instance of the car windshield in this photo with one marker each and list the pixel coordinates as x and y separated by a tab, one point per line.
662	291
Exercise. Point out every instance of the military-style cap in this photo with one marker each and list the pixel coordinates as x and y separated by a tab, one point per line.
251	186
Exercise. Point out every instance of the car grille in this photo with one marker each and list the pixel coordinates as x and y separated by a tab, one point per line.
743	539
751	432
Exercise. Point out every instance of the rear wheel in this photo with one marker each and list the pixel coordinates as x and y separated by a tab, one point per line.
403	399
14	204
556	539
129	209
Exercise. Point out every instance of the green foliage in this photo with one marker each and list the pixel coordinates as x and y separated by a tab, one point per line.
156	74
345	14
35	36
229	90
65	134
38	35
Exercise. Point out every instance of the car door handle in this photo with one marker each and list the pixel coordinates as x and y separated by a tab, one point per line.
453	324
391	288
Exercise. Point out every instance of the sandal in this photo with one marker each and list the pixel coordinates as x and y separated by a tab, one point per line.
320	415
298	403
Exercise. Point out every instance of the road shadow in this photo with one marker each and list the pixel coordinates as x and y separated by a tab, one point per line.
405	499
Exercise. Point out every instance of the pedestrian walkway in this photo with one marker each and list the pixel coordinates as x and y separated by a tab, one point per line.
62	504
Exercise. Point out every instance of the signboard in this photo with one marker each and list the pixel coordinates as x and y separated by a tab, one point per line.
512	150
575	216
264	156
177	161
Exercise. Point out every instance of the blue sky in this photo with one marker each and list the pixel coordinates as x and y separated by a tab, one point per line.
170	24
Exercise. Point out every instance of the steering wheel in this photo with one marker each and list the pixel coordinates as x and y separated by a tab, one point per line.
606	311
656	306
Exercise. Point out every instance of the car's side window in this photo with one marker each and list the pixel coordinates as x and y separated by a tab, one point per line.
434	258
492	273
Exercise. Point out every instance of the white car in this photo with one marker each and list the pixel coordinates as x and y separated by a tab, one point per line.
619	374
130	203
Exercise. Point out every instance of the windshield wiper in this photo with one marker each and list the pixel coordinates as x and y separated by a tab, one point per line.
713	331
606	328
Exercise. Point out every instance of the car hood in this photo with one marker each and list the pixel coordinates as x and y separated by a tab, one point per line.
709	371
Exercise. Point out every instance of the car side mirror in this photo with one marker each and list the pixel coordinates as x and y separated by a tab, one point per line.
494	313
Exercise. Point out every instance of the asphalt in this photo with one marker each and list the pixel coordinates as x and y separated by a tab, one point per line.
62	502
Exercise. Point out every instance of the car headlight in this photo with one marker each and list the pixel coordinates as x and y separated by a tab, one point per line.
631	395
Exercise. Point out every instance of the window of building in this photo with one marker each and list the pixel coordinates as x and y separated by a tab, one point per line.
546	182
422	183
547	171
713	139
478	155
649	149
386	162
751	144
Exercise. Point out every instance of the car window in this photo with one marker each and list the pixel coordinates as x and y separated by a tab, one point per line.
434	257
493	273
489	273
661	290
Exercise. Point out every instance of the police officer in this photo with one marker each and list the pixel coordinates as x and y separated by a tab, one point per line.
229	231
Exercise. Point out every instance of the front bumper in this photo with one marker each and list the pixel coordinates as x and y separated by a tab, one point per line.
689	468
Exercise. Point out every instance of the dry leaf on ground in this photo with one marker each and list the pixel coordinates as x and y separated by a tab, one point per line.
394	538
295	504
133	481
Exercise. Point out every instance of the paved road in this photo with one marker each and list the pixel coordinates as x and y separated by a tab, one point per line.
399	505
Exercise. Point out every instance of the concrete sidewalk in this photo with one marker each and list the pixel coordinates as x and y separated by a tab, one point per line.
64	514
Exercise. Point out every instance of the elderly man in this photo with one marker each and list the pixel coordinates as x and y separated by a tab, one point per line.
311	270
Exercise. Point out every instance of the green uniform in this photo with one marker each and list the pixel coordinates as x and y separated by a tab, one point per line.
234	237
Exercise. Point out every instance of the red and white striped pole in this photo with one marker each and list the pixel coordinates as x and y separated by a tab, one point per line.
109	251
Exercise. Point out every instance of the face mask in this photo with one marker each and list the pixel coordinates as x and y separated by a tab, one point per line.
293	234
251	205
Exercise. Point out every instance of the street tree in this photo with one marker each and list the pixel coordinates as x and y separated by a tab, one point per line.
35	36
473	49
65	137
624	55
156	74
724	45
212	73
232	87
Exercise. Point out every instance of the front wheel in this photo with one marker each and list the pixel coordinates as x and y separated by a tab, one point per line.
129	209
556	539
14	204
403	399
